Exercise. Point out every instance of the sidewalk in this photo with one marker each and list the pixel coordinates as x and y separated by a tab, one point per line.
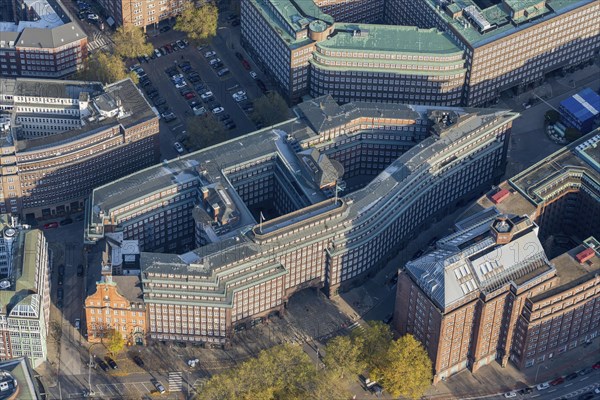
493	379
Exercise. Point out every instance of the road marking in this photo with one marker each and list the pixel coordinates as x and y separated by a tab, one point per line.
583	379
553	390
535	395
568	384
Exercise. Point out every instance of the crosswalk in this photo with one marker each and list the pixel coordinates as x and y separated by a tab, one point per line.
98	41
175	381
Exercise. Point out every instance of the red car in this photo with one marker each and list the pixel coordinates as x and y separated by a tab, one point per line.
596	366
51	225
557	381
246	65
190	96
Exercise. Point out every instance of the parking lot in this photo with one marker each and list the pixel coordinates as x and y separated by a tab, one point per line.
182	80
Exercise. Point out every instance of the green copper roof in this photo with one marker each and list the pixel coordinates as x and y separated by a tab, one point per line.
389	38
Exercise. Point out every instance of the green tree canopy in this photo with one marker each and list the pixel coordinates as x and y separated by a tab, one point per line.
105	68
204	131
283	372
199	23
406	370
270	109
130	42
376	339
343	356
115	342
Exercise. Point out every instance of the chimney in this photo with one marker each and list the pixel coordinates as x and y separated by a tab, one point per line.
216	210
204	191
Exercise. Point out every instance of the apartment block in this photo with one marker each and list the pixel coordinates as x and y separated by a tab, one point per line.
518	280
40	40
227	234
60	139
24	292
354	11
142	13
116	305
509	44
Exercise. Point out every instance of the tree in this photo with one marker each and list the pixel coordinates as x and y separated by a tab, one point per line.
282	372
270	109
130	42
406	370
343	356
376	339
106	68
200	23
572	134
115	342
204	131
552	116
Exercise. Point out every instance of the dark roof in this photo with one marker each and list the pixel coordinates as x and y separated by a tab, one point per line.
129	286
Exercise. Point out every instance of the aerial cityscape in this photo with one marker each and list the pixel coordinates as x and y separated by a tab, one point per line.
300	199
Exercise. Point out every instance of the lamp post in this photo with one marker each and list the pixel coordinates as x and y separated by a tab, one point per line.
90	367
538	371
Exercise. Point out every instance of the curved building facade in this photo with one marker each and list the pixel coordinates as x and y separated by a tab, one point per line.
268	212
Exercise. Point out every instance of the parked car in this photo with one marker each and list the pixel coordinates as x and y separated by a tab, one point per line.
180	44
180	84
77	323
239	55
218	110
526	390
510	395
586	396
80	270
542	386
66	221
193	103
235	22
254	75
163	51
557	381
159	101
209	54
157	53
61	270
185	91
596	366
199	110
261	85
60	293
585	371
571	376
246	65
168	117
223	72
93	17
199	87
178	147
165	28
111	362
138	360
189	96
206	95
51	225
101	364
230	125
214	61
159	387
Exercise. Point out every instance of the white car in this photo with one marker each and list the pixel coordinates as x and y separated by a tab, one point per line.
214	61
206	95
92	17
239	99
178	147
176	77
510	395
180	85
77	323
209	54
240	93
159	387
254	75
135	67
199	110
543	386
597	390
218	110
157	53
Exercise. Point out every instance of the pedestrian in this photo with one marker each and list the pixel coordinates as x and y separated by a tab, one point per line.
182	57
